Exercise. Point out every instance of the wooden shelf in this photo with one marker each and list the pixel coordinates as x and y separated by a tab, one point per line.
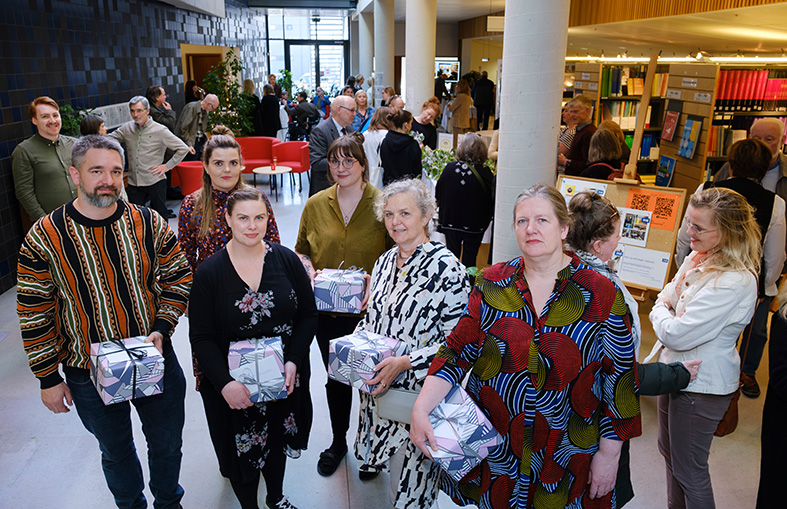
754	113
646	130
629	98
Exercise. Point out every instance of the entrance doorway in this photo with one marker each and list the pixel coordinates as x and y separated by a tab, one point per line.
316	64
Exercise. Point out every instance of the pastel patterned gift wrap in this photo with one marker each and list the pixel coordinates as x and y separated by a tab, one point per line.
464	434
126	369
352	358
259	365
339	291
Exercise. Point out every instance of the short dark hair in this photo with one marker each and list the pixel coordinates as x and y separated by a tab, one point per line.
399	118
303	95
153	92
85	143
749	158
90	125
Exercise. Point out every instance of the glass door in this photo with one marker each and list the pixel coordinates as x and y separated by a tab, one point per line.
316	64
301	61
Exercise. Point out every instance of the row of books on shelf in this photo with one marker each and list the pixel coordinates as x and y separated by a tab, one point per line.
721	137
648	148
625	113
621	81
752	90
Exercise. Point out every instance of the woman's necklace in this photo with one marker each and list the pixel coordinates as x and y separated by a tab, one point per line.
348	214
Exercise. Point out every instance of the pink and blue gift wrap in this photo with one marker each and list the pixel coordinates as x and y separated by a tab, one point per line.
123	374
464	434
352	358
339	291
259	365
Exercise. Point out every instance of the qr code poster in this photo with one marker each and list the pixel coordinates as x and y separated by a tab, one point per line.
634	225
570	187
664	206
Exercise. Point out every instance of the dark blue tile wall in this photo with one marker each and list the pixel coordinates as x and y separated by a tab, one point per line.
91	53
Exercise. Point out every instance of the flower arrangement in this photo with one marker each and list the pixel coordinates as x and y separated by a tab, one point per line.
434	161
419	137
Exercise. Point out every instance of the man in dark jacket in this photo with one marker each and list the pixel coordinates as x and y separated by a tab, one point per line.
483	99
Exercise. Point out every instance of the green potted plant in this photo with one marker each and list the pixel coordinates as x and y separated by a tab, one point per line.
235	109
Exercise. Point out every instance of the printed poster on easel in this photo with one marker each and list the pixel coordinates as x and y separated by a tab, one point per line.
649	217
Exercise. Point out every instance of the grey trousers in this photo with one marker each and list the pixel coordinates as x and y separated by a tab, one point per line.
687	421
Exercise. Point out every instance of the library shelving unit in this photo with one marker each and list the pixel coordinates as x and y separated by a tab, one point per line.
695	86
587	78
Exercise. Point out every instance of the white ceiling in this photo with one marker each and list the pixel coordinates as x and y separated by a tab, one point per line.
452	11
752	30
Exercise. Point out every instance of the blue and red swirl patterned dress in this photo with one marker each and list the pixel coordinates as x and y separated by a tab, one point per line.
552	385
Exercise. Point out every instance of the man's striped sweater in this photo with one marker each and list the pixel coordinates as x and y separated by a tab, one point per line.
82	281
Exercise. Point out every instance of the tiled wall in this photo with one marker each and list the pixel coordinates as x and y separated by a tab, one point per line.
91	53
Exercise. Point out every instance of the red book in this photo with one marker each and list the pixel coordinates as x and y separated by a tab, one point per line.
748	91
763	80
722	89
735	90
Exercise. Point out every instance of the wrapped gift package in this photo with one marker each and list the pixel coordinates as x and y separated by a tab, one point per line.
464	434
352	358
259	365
126	369
339	291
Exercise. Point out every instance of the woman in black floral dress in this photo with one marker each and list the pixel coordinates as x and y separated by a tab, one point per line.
251	289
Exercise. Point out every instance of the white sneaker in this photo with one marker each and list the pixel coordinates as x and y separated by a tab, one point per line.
283	503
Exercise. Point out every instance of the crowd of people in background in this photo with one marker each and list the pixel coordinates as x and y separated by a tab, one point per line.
547	343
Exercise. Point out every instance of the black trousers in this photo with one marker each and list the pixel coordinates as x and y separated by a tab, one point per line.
483	117
155	194
319	182
339	395
465	243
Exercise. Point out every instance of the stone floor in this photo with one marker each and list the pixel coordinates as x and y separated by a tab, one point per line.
49	460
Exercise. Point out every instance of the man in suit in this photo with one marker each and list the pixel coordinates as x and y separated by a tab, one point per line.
339	124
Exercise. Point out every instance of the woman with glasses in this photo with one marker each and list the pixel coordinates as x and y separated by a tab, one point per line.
749	161
594	235
550	356
700	314
339	229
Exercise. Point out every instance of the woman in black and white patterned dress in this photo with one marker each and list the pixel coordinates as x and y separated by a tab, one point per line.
418	292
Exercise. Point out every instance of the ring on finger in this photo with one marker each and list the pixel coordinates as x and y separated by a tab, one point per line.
383	384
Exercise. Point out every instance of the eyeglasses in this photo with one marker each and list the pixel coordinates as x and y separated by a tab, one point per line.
613	214
348	109
697	230
346	163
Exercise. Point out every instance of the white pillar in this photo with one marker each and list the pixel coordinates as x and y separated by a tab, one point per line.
384	47
365	45
420	39
534	51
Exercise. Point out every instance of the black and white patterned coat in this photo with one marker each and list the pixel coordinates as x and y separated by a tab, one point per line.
419	304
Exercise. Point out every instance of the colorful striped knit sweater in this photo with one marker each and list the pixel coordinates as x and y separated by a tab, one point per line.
82	281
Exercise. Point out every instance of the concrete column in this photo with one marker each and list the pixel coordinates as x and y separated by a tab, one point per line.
365	45
384	47
420	39
534	51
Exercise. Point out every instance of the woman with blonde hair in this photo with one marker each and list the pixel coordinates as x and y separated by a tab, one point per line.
388	93
256	118
363	111
700	314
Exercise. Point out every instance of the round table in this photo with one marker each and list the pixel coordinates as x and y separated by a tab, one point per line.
266	170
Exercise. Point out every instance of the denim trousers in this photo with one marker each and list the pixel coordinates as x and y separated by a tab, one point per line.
162	417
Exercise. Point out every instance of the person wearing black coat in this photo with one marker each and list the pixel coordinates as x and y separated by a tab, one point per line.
269	112
400	154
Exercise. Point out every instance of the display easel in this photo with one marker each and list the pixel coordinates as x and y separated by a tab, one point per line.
666	207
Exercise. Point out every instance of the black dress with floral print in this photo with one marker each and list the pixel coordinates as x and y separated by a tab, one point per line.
224	309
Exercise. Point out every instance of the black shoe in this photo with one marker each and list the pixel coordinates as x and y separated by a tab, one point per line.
170	215
329	461
368	472
283	503
749	386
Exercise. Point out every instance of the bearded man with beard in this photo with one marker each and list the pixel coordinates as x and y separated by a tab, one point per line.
97	269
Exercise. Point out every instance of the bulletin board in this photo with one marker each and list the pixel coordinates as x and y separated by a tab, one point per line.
650	218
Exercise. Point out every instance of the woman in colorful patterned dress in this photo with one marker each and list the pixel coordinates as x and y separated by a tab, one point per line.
253	288
202	227
548	345
418	292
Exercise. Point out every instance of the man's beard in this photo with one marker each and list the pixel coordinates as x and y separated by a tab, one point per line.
100	200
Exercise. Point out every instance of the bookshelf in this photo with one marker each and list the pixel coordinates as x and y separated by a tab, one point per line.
694	87
587	78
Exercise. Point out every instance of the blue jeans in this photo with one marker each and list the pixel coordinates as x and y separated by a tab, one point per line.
752	347
162	419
